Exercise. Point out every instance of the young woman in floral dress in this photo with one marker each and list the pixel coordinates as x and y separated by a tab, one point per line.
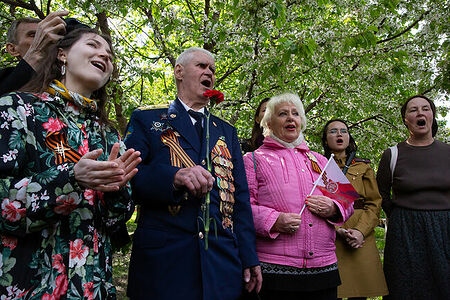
62	182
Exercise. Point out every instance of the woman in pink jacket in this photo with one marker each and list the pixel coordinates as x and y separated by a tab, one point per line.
296	252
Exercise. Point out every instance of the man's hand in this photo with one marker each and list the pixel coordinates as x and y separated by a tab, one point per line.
106	176
196	180
49	31
253	279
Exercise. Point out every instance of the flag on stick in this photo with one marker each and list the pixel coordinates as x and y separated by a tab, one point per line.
333	184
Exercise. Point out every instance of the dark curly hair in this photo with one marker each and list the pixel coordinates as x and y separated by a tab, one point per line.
351	144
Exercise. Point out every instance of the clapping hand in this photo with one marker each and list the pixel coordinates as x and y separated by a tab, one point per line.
107	176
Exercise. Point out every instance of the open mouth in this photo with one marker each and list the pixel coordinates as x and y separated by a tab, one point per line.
207	83
339	141
421	123
290	127
99	65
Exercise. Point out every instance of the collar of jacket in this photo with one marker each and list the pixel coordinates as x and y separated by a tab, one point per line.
270	142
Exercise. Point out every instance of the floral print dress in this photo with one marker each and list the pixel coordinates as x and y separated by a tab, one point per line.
55	234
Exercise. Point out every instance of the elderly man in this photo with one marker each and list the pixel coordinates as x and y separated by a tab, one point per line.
169	259
28	40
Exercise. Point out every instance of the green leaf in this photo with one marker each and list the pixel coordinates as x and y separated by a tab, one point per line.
85	213
373	28
8	264
68	188
47	176
75	222
6	280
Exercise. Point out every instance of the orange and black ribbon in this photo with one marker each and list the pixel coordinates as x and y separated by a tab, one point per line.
178	156
57	142
225	151
315	166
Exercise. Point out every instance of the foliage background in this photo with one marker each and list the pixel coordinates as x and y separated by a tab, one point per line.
355	60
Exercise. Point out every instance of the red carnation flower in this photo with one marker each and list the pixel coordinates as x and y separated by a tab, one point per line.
214	96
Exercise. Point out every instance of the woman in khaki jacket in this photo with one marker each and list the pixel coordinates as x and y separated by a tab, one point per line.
358	259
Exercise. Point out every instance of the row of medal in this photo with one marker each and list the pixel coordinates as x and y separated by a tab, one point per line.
223	168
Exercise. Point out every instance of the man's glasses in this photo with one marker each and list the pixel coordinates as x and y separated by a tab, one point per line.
335	131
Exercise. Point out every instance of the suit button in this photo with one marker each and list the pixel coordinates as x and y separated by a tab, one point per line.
185	196
310	224
203	162
200	235
311	253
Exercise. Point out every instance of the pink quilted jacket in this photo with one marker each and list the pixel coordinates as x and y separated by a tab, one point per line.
282	180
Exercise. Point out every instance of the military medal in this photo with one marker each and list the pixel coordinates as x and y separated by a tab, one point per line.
223	169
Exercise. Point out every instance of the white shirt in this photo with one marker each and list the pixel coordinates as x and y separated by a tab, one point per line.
201	110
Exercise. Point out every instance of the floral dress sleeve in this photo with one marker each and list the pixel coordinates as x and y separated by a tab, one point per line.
34	192
29	200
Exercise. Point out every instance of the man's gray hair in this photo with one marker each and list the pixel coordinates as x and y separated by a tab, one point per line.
188	54
283	98
12	31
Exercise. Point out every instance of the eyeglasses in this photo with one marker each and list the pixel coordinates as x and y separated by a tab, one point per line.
335	131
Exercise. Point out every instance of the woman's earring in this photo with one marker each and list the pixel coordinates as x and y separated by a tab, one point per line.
63	68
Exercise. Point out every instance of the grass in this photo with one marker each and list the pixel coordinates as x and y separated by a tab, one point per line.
121	260
120	263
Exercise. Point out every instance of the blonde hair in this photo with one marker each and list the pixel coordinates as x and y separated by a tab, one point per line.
283	98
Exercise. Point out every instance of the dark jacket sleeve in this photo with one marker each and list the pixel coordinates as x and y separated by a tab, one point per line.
155	177
243	218
384	180
12	79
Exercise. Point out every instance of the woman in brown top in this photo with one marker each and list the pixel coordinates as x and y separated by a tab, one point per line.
416	256
358	259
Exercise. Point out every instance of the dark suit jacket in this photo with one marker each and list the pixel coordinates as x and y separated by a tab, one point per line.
13	78
169	260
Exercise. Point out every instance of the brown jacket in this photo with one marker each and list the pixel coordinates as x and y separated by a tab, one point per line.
360	269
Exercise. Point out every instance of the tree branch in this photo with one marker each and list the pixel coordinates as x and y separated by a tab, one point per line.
158	35
406	29
125	40
227	73
191	12
48	6
364	120
317	101
211	44
30	6
117	91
